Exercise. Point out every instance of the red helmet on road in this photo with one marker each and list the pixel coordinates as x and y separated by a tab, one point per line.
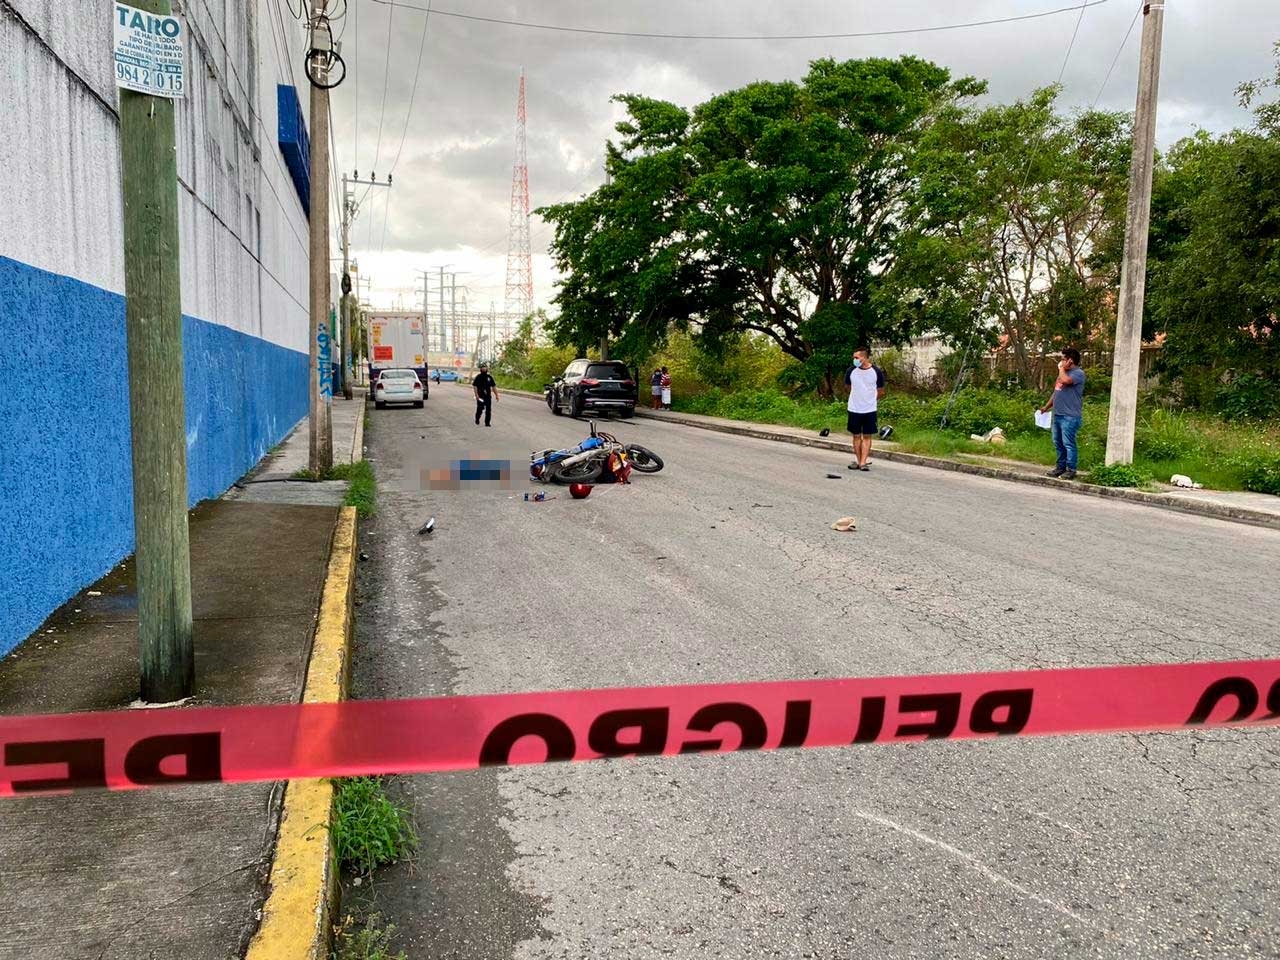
579	491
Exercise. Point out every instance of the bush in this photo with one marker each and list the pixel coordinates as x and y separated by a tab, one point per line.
1258	473
977	411
1119	475
1249	397
368	829
547	363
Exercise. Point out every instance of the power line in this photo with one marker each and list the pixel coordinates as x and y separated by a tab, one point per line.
382	110
1004	226
1123	43
528	25
417	71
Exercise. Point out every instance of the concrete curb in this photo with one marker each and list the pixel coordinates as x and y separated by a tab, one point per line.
1164	501
297	919
357	437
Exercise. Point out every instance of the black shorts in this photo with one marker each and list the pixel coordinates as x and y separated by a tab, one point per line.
864	423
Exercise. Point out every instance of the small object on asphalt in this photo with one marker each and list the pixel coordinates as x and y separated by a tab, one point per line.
886	433
428	526
762	504
95	593
845	524
1008	609
526	497
364	556
833	476
539	497
824	432
1182	480
579	491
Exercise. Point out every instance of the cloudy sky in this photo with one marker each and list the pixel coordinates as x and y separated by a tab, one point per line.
454	144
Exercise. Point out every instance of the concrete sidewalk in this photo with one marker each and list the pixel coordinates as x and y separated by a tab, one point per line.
166	873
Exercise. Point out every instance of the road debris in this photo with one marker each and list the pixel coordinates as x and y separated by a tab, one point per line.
845	524
1182	480
427	527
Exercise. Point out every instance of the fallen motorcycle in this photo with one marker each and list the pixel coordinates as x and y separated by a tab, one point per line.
593	458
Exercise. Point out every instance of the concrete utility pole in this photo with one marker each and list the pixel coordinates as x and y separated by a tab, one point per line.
444	345
153	328
344	377
321	428
1133	273
350	207
453	310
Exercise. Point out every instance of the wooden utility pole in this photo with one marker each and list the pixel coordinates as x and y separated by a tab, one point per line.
153	324
1133	273
321	430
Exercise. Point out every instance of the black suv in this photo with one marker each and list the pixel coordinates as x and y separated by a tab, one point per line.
595	385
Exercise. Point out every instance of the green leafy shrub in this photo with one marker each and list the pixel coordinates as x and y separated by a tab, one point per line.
977	411
1119	475
368	829
1249	397
1259	473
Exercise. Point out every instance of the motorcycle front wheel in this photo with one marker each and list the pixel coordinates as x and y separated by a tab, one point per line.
643	459
584	471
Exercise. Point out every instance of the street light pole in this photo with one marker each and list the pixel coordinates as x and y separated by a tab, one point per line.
1122	421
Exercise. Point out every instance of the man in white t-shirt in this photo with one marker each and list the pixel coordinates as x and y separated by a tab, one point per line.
866	387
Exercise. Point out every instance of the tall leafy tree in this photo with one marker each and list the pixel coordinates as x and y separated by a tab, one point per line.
1214	262
776	209
1016	207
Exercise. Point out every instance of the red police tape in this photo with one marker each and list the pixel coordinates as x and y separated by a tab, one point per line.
145	748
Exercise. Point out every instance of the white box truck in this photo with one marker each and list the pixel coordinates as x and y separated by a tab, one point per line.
397	340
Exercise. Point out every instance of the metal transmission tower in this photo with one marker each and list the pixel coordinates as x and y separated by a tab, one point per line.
519	257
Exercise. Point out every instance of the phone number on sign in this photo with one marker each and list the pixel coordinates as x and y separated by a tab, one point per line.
150	79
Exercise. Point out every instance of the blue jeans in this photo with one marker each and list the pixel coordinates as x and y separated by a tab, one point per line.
1064	438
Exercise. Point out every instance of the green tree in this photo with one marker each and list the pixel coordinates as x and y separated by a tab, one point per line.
515	358
1214	277
1016	207
775	209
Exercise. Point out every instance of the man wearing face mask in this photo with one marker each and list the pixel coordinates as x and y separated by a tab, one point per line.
866	387
1067	404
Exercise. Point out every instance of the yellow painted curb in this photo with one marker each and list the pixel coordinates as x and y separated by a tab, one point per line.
296	919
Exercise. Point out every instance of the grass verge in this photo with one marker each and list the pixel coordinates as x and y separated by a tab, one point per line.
368	829
362	486
368	941
1216	453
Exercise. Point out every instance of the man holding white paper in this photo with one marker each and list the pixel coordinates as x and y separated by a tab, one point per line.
1067	404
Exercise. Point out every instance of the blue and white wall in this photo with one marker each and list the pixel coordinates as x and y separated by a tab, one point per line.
65	476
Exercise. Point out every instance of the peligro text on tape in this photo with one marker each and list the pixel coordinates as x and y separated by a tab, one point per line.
133	749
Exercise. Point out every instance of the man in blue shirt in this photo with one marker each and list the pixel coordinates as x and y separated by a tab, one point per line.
1067	403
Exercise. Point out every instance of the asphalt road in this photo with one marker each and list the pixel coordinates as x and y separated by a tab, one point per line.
724	567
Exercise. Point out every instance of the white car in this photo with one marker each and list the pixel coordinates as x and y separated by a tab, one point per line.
398	386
